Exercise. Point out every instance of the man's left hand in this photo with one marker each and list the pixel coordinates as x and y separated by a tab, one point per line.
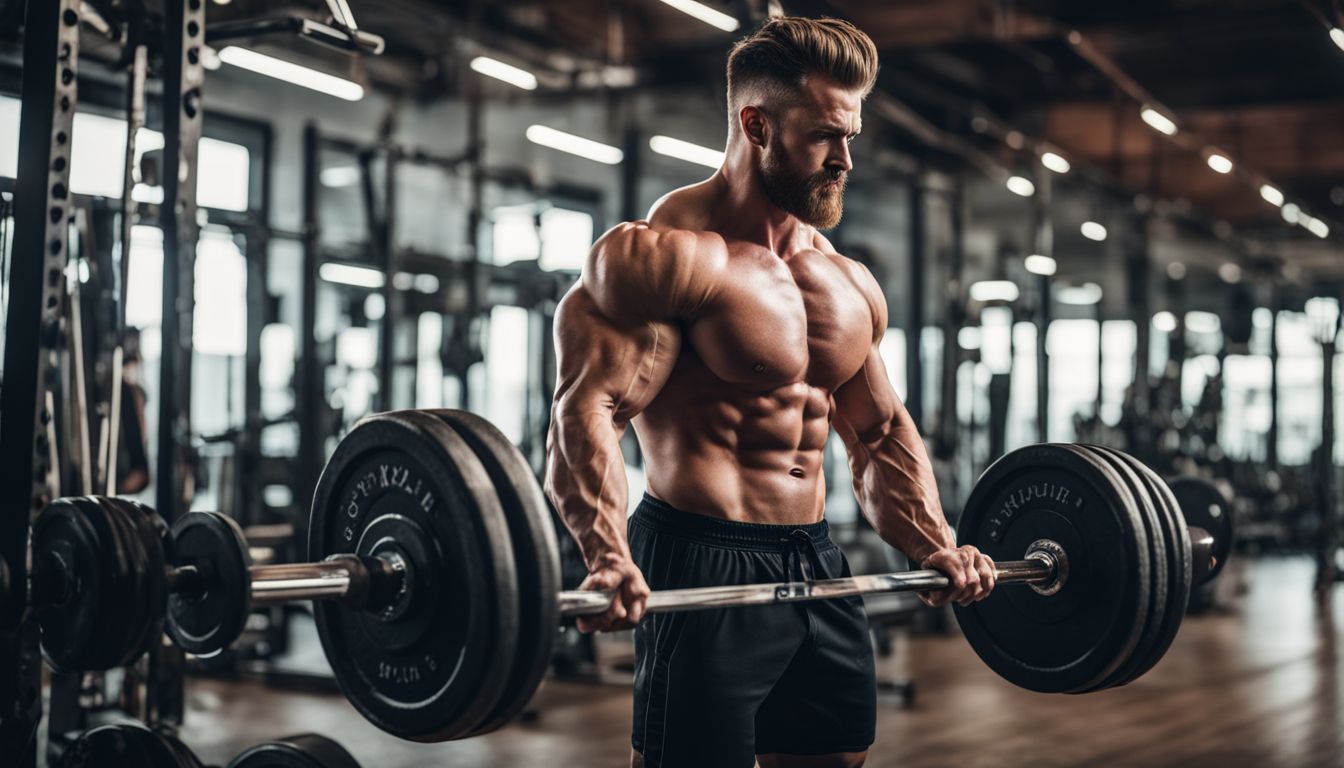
970	572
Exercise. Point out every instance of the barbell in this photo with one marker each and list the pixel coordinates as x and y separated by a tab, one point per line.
435	574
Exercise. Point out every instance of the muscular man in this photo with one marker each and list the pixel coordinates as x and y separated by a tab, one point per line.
731	334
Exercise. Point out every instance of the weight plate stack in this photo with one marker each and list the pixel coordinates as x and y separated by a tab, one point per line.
535	554
1073	640
1179	570
1160	595
435	664
82	559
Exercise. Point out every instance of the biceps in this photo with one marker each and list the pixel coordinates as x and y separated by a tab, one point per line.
866	406
605	366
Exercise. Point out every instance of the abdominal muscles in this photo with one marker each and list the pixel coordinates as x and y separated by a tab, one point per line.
736	452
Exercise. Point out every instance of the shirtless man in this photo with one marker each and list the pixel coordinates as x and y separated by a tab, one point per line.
731	334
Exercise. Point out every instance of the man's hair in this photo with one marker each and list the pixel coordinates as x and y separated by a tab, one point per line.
773	62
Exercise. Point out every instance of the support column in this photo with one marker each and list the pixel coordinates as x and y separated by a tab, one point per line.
1043	230
914	319
1140	303
954	317
32	338
308	386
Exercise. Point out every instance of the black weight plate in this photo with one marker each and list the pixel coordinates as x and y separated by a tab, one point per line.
155	539
535	554
1204	506
1072	640
306	750
1179	548
125	746
73	536
1158	598
206	622
129	633
143	541
185	757
433	666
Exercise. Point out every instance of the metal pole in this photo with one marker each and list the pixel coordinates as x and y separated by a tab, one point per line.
946	442
1037	569
1272	434
914	319
1044	236
308	374
183	75
183	110
32	337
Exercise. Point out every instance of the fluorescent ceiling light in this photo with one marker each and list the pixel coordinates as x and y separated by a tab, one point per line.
1055	162
1019	185
1158	121
292	73
1219	163
968	338
706	14
1079	295
1271	194
1040	265
349	274
1230	272
1164	321
1202	322
1176	270
339	176
994	290
506	72
575	145
1315	226
1291	213
685	150
1093	231
1337	35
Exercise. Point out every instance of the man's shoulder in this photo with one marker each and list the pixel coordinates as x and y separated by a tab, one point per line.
654	244
640	270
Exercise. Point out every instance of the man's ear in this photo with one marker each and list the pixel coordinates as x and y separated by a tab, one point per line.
755	125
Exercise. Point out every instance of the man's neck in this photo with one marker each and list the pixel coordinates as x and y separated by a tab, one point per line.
742	210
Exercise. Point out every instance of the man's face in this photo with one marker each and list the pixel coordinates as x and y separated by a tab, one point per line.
806	161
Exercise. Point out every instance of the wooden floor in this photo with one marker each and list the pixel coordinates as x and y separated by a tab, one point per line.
1260	685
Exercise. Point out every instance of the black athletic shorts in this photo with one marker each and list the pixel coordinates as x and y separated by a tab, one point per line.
717	687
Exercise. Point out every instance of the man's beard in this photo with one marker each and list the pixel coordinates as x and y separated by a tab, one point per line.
809	196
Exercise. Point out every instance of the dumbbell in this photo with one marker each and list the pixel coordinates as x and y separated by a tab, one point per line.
435	573
128	746
132	745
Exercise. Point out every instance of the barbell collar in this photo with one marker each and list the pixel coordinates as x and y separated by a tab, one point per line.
1040	567
1203	563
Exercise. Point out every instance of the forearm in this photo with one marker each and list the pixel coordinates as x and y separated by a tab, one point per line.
896	488
585	480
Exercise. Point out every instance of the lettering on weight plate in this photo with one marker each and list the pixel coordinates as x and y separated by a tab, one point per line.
1019	499
402	674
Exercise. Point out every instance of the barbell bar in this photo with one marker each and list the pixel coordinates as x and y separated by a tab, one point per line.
434	572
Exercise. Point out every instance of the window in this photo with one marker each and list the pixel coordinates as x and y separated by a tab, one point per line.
97	157
561	242
1072	347
506	369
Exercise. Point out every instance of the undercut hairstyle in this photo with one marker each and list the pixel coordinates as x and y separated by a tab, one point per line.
771	65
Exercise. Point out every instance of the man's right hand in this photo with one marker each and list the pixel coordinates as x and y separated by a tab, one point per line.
617	573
